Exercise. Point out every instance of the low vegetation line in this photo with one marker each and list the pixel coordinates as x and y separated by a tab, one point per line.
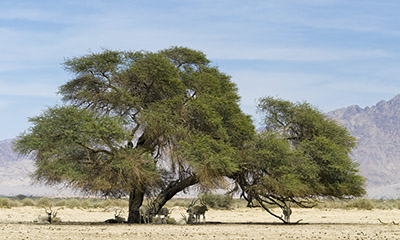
213	201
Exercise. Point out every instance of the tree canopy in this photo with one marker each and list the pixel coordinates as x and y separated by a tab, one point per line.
134	123
137	122
301	155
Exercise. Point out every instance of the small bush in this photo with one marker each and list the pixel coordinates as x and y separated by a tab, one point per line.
217	200
364	204
115	203
5	203
179	202
96	203
60	203
73	203
43	202
85	203
27	202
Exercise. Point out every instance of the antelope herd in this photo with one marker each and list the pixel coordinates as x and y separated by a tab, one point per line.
147	214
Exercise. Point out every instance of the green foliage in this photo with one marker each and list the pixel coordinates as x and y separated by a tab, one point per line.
43	202
219	201
125	111
60	203
360	203
8	203
5	203
20	196
73	203
27	202
363	204
301	155
178	202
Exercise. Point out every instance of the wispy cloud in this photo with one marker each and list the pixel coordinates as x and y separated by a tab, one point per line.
299	54
325	91
32	89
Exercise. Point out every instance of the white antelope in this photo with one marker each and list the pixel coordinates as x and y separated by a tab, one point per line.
117	217
51	217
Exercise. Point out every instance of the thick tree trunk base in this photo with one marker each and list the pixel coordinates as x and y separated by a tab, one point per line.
135	201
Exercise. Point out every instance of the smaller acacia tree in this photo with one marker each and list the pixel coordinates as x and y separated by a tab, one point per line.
300	156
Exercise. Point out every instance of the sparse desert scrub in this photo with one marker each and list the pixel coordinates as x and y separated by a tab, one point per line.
27	202
359	203
221	201
8	203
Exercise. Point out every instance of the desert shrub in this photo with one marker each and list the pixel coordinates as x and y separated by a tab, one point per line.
60	203
72	203
239	203
27	202
217	200
335	204
96	203
122	203
364	204
5	203
85	203
386	204
43	202
8	203
178	202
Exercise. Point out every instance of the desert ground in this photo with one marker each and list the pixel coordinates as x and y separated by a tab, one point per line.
241	223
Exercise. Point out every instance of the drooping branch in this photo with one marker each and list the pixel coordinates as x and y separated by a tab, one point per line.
172	189
261	202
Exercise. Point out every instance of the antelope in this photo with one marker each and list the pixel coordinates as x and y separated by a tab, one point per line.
117	218
145	212
158	220
51	217
164	212
186	220
171	220
195	211
286	213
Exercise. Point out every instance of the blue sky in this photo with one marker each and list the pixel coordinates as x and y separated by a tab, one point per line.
330	53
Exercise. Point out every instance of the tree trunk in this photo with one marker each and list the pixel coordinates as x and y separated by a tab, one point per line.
173	188
135	201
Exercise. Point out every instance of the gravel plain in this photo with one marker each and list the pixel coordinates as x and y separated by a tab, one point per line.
242	223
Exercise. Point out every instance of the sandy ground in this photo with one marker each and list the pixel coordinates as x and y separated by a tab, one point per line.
17	223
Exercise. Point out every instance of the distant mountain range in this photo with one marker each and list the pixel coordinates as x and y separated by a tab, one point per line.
15	175
377	129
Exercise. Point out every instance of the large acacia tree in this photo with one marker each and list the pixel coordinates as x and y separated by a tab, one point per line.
300	156
136	123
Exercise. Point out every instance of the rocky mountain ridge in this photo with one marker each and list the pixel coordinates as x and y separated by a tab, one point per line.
15	175
377	130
